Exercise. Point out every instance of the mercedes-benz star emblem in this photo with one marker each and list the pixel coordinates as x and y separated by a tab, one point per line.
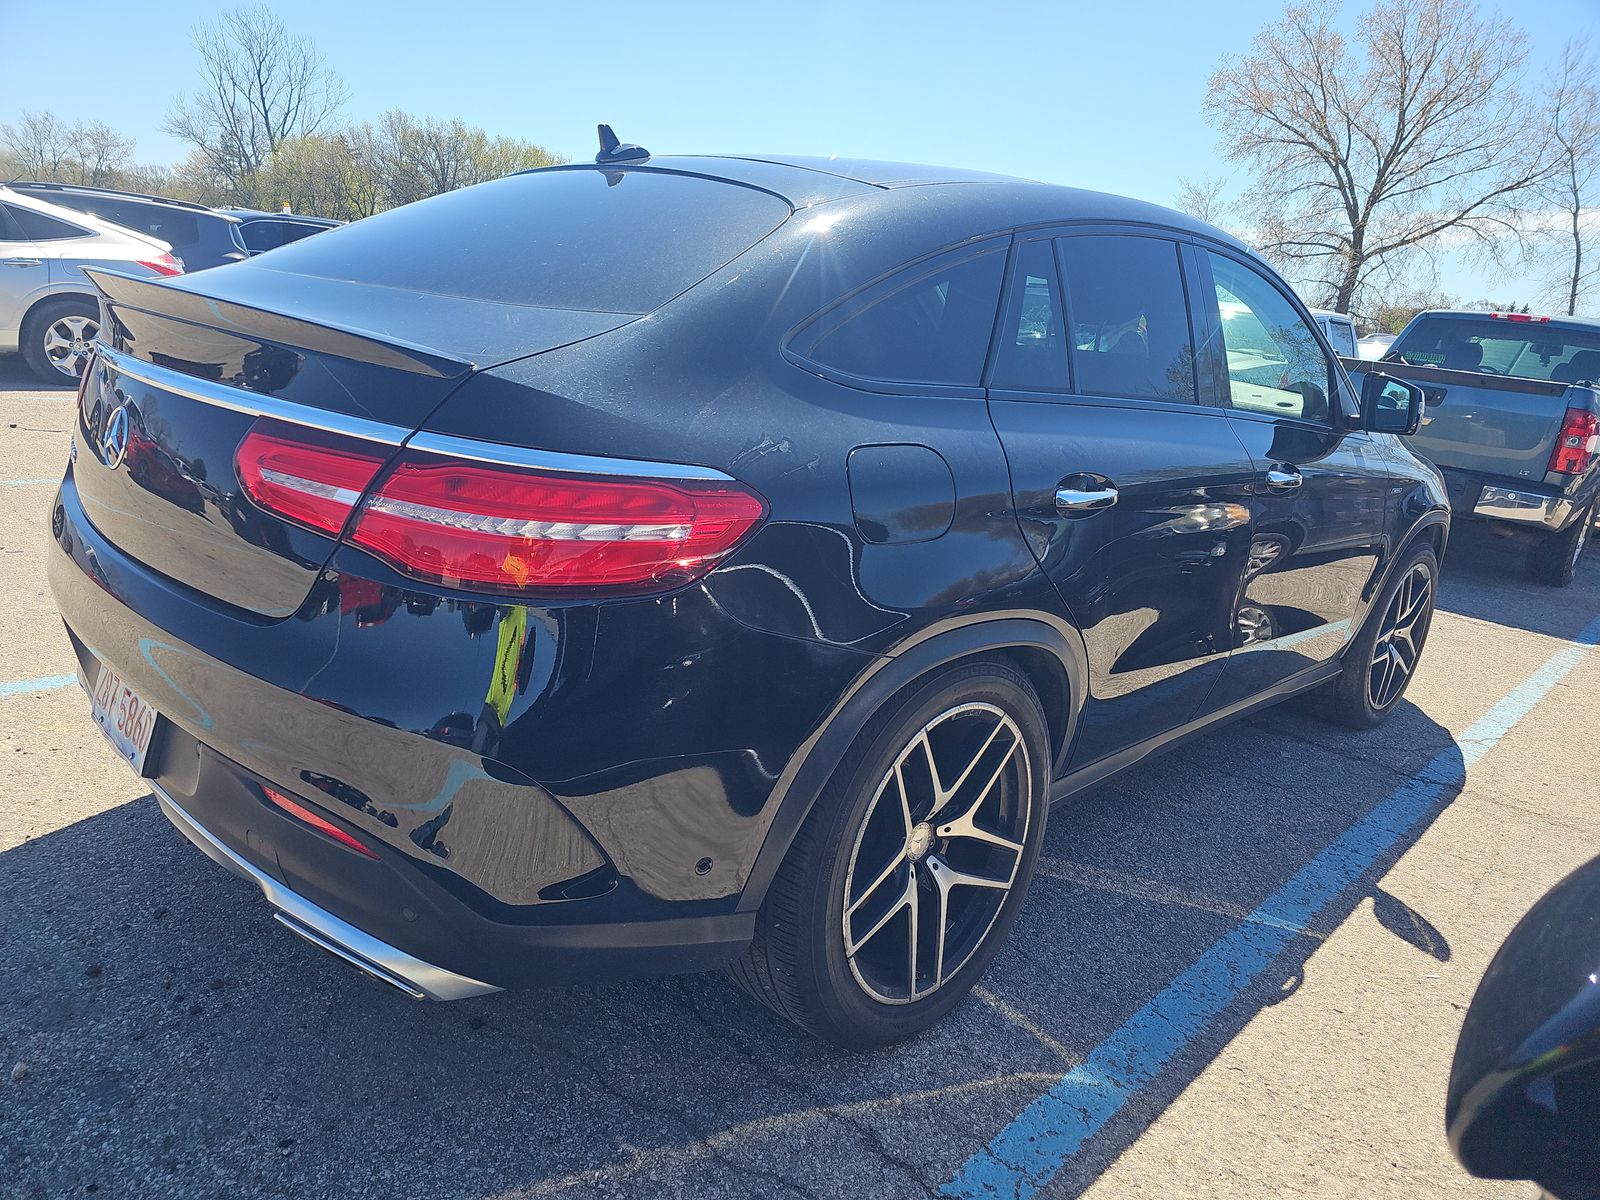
114	441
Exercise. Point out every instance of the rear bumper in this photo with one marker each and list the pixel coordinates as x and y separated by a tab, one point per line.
1497	503
1527	505
601	822
416	978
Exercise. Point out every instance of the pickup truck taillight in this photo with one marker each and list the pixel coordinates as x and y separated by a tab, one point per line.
1577	443
484	526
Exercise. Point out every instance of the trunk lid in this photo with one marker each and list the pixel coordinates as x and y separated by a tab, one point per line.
182	376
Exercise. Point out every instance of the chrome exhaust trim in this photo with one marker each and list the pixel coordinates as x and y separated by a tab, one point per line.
418	979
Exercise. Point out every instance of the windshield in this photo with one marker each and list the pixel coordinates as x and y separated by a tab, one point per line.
1528	349
623	241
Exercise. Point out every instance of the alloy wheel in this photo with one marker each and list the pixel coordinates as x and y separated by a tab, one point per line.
938	851
1400	637
67	341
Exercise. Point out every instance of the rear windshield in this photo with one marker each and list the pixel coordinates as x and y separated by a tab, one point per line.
1496	347
611	241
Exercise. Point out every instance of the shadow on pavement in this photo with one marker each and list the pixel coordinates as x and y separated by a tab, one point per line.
211	1052
1485	577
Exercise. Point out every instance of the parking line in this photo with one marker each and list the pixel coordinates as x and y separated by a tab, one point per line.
44	683
1025	1155
26	482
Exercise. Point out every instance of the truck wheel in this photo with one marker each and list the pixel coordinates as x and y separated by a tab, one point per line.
1379	664
908	873
1554	561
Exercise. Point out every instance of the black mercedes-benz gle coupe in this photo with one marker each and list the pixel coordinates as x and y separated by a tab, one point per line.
666	563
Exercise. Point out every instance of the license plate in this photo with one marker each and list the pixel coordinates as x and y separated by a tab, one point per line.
127	720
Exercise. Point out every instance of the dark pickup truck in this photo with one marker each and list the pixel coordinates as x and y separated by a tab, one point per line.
1513	423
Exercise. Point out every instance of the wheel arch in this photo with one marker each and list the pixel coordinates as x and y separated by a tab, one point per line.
1050	655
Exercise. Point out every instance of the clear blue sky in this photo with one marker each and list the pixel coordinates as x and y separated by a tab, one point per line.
1100	95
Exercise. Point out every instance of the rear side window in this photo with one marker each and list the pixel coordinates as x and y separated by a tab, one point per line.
933	329
1129	321
1341	336
1528	349
37	227
1032	353
261	235
623	241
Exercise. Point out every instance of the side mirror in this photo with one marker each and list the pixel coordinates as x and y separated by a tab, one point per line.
1390	405
1524	1099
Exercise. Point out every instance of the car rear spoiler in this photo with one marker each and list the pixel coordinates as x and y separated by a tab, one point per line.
145	295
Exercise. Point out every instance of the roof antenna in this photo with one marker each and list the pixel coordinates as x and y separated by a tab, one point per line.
613	151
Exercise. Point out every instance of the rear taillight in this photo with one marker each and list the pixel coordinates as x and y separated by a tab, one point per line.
1577	444
321	824
310	478
164	264
512	529
491	527
1520	318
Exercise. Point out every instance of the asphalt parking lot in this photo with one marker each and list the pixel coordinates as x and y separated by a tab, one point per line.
1240	971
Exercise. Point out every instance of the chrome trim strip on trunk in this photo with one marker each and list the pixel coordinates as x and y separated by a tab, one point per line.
258	405
413	976
254	404
554	460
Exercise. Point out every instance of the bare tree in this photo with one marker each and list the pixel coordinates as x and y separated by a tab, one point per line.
1204	199
261	86
1364	154
99	155
423	157
1572	113
40	144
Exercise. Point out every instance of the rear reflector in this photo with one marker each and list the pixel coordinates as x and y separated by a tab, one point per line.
1577	443
304	476
321	824
512	529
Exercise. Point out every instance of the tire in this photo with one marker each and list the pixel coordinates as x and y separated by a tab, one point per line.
55	337
1367	691
855	840
1554	561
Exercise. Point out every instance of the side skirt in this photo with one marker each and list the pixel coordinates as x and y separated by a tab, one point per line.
1111	765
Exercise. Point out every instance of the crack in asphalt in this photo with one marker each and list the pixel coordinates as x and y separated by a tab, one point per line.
824	1105
701	1140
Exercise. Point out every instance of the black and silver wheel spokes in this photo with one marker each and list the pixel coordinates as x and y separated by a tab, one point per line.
937	853
1400	638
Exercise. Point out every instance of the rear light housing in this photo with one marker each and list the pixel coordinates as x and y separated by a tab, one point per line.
320	823
1577	443
305	476
499	528
164	264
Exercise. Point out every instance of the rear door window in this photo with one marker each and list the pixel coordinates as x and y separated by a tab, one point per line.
1128	320
934	328
39	227
1032	351
621	241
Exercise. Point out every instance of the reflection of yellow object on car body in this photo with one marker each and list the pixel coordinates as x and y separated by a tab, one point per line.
512	636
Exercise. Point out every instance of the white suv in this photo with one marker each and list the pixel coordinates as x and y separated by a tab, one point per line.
49	311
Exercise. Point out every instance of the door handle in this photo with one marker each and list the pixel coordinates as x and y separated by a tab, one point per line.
1281	480
20	262
1085	500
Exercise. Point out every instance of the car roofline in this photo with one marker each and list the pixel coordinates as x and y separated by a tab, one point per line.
143	197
